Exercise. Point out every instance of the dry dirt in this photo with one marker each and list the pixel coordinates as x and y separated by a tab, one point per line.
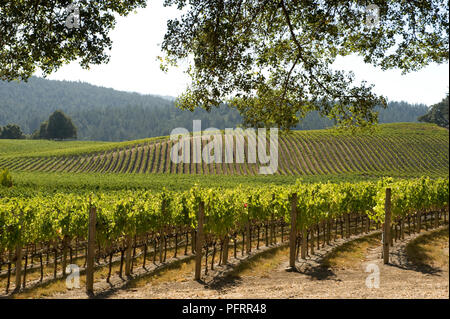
399	279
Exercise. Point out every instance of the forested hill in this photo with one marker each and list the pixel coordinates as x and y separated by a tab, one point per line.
106	114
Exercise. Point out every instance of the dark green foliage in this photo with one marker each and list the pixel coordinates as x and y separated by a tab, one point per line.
11	131
272	59
438	114
42	133
34	34
59	127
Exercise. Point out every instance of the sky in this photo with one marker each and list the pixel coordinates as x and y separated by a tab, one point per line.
134	67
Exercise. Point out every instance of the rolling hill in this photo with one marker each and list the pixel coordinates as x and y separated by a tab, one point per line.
393	149
104	114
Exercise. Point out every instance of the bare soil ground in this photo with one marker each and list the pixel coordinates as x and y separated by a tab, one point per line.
264	275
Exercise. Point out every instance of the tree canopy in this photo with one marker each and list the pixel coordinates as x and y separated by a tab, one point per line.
59	126
271	59
11	131
37	33
438	114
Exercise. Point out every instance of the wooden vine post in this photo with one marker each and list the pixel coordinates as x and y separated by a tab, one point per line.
387	226
293	234
128	256
18	266
91	251
199	241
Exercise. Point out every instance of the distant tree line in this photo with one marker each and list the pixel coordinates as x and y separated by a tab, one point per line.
108	115
58	127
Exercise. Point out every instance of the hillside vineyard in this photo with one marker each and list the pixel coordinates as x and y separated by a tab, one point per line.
404	149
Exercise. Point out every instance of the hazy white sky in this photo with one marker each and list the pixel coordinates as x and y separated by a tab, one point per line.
136	44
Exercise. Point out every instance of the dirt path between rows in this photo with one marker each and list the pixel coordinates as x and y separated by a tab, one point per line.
399	279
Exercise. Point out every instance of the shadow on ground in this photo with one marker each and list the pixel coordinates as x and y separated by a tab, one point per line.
416	257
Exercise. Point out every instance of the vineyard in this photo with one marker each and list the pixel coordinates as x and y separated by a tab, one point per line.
393	149
213	224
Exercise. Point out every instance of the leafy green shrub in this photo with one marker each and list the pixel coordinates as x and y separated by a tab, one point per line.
5	178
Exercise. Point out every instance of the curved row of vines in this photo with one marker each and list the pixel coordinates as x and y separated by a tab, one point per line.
299	153
149	225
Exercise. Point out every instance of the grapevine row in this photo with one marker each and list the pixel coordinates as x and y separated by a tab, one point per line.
139	223
299	154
